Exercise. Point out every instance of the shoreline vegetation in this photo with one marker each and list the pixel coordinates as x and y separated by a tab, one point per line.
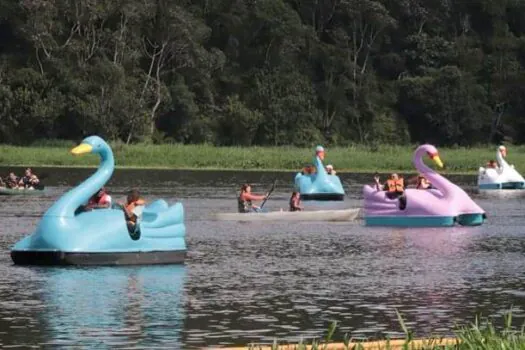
353	159
264	72
480	335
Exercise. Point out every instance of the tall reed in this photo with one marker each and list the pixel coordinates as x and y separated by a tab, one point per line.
480	335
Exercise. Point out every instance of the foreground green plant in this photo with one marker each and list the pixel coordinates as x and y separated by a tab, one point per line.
353	159
477	336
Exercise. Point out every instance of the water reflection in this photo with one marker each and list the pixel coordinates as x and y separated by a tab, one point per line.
256	281
108	306
501	194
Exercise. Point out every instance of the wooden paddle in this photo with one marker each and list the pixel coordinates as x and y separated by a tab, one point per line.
269	193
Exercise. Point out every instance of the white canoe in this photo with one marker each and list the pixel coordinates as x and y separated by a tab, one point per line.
318	215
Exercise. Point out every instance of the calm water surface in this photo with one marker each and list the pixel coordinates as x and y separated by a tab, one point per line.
258	281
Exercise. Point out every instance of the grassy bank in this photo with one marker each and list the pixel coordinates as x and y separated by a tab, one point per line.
477	336
344	159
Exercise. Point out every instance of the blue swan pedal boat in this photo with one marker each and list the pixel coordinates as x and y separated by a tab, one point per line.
319	186
101	236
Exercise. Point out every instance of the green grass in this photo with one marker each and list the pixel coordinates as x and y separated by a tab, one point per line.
477	336
176	156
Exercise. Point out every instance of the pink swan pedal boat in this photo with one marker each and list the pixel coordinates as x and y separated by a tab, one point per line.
443	205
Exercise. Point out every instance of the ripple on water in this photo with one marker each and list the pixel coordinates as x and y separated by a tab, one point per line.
253	282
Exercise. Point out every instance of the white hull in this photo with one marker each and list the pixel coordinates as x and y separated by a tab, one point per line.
319	215
505	176
499	176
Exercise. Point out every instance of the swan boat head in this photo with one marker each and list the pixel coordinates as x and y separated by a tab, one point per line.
503	151
93	144
67	205
431	152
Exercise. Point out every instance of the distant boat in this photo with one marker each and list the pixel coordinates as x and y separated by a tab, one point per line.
4	191
318	215
319	186
503	177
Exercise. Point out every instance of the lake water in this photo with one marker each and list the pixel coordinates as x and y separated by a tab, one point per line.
254	282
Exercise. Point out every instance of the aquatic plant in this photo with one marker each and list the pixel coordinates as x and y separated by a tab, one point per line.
480	335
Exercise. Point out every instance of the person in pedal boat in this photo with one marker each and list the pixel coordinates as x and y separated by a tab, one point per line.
133	200
319	152
308	169
330	169
246	197
394	187
99	200
423	183
295	202
492	164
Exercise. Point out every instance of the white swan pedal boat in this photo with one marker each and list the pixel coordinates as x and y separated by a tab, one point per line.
318	215
503	177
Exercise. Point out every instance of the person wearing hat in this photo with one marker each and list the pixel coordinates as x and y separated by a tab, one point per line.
330	169
319	152
310	169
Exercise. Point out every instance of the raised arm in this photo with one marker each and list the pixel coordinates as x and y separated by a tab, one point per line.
253	197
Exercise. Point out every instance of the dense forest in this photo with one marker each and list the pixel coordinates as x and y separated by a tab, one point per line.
263	72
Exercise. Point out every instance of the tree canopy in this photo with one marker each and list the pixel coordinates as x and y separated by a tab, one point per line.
263	72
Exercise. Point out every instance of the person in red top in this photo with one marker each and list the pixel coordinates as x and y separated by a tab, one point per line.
246	197
99	200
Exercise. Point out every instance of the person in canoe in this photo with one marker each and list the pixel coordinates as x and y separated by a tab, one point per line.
12	181
394	187
133	200
246	197
295	202
29	180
